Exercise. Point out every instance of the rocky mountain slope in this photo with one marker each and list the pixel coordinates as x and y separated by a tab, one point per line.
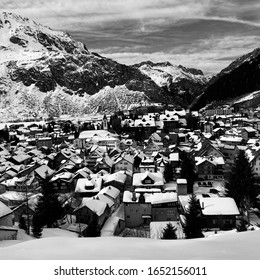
241	77
40	67
178	81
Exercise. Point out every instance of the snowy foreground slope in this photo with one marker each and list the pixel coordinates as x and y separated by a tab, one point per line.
233	246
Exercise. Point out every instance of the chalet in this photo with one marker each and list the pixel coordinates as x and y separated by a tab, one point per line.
90	209
170	122
248	132
82	173
164	206
43	172
62	182
147	164
217	132
181	187
114	152
113	193
61	157
174	160
207	148
137	208
210	168
129	177
219	212
229	151
6	215
116	180
147	124
148	180
124	162
231	140
92	154
88	135
44	141
20	159
25	209
88	187
160	164
208	127
153	147
12	198
104	163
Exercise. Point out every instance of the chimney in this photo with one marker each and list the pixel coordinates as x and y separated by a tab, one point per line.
134	196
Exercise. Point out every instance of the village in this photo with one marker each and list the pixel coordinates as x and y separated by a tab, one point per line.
126	170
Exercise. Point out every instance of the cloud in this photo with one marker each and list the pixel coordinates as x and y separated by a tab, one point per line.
210	55
207	34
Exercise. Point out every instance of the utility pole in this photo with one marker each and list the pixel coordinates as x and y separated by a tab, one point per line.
27	206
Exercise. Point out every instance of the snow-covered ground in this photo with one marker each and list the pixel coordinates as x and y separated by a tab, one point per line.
62	245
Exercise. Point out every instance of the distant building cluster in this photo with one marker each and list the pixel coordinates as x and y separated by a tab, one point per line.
115	169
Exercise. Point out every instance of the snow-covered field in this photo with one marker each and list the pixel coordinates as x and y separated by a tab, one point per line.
62	245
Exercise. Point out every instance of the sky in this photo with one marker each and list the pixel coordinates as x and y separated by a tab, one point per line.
204	34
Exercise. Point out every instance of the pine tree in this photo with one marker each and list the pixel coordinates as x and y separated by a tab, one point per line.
93	229
48	209
193	220
168	172
169	232
37	226
240	185
188	171
22	223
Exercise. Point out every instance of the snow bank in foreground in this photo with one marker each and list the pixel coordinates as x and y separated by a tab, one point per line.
244	245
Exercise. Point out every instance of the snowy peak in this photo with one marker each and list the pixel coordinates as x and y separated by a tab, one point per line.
18	33
164	73
180	82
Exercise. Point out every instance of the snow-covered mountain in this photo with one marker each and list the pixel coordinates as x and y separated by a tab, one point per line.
179	81
240	78
40	67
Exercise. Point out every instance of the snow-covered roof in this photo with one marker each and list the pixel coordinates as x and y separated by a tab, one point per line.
105	199
4	210
110	225
157	198
218	206
126	157
117	176
249	129
21	157
95	205
44	171
110	191
211	159
144	122
145	190
181	181
157	177
12	196
88	134
85	185
231	139
174	156
128	197
63	176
